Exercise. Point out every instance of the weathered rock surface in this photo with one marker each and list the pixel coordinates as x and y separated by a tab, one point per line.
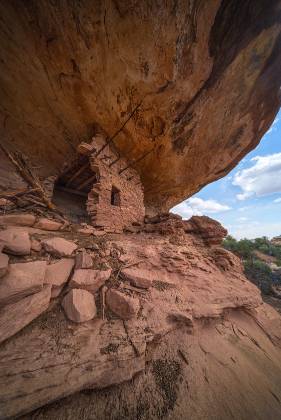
47	224
87	230
211	231
59	247
88	279
207	85
23	279
57	274
208	374
17	219
139	278
66	363
16	316
15	242
201	325
79	305
35	245
83	260
4	264
122	305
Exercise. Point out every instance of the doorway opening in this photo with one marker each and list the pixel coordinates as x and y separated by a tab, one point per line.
71	191
115	197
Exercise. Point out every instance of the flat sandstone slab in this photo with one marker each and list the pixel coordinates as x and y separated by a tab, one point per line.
40	366
23	279
48	224
59	247
15	242
57	274
88	279
17	219
4	264
16	316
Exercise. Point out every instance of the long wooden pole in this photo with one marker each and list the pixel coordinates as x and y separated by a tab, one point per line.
110	140
135	161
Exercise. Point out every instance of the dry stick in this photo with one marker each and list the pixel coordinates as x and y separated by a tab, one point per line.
29	178
126	266
72	191
17	193
110	140
18	201
34	201
132	264
134	289
103	291
136	161
77	173
86	182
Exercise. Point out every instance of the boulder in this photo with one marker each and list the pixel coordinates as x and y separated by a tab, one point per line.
138	277
57	274
122	305
97	232
36	245
88	279
86	230
47	224
15	242
83	260
210	231
79	305
17	220
16	316
4	263
22	279
59	247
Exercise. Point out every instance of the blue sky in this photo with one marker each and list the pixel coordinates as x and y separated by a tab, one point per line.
248	200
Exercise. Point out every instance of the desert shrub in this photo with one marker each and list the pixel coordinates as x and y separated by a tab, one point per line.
242	248
259	273
256	270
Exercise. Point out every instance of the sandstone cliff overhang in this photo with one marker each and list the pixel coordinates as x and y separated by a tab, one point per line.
202	77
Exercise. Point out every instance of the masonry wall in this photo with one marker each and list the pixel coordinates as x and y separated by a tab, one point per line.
104	215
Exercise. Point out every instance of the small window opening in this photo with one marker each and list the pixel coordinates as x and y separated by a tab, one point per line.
115	197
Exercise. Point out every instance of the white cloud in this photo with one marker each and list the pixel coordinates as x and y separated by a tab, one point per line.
254	230
184	210
262	178
242	219
196	206
244	208
208	206
244	196
277	200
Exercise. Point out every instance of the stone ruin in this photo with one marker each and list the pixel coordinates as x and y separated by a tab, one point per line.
100	188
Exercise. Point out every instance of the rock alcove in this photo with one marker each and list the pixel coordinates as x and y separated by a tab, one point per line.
154	305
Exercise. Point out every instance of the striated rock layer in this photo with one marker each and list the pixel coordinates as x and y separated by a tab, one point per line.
204	76
199	336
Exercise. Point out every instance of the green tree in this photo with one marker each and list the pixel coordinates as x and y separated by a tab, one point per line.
259	273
